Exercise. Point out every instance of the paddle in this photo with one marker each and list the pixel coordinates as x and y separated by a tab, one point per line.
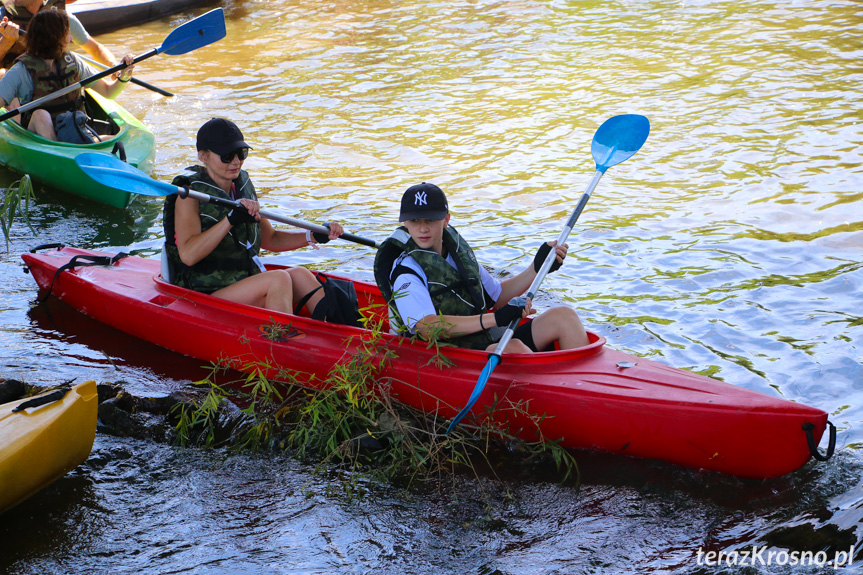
134	80
616	140
102	66
201	31
110	171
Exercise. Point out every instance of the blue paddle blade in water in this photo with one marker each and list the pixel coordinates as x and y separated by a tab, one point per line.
111	172
493	360
201	31
618	138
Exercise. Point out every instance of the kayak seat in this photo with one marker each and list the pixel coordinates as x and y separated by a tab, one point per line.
103	123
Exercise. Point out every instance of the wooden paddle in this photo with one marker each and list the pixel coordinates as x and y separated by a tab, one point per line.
616	140
201	31
110	171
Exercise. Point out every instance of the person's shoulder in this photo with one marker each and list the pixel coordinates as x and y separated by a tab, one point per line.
187	176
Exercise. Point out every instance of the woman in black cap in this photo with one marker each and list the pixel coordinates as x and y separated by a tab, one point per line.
214	249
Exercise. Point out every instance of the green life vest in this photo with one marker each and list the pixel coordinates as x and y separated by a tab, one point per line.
231	260
453	291
48	79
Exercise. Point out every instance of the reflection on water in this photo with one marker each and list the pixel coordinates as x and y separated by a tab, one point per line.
730	244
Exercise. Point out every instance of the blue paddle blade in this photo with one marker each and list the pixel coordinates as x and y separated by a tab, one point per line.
618	138
109	171
201	31
493	360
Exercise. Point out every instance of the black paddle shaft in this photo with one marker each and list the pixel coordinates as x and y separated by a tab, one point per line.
202	197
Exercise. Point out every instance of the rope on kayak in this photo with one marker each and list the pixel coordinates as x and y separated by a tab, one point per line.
83	260
813	447
43	399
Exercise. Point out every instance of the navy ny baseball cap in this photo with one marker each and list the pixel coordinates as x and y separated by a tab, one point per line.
423	201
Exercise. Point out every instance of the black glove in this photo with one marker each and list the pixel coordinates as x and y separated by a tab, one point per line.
322	238
503	316
240	215
540	256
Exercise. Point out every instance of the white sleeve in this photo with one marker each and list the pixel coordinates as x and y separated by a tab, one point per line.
410	294
491	285
77	30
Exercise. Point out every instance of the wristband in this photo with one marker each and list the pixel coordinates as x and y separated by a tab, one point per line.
122	80
482	327
310	240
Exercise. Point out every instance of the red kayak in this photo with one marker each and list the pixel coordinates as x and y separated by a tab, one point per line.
593	397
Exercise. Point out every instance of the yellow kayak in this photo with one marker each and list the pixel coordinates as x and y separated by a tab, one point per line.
48	436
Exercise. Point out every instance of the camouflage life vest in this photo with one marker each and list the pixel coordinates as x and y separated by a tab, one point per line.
453	291
231	260
47	80
22	16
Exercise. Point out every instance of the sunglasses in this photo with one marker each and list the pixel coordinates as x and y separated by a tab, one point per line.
241	153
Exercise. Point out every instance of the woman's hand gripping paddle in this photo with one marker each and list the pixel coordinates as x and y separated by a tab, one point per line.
201	31
616	140
110	171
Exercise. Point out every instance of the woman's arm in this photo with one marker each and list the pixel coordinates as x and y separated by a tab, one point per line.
112	88
193	244
282	241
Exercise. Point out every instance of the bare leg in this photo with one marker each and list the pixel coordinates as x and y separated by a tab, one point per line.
561	324
513	346
42	124
272	290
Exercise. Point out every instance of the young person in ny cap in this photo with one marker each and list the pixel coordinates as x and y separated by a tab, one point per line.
214	249
435	285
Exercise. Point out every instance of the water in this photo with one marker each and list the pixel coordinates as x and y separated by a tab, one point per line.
730	245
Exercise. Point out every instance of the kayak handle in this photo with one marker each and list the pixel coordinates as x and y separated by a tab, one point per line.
57	246
42	400
813	447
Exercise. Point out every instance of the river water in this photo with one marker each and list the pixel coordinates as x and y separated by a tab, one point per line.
730	244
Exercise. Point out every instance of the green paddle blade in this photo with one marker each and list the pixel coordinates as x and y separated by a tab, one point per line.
110	171
618	138
201	31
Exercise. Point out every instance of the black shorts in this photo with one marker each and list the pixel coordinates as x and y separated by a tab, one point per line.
523	333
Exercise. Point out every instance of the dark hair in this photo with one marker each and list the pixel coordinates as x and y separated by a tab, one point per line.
46	33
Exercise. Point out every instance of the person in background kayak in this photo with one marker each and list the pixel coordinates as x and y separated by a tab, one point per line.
213	249
15	16
47	67
438	289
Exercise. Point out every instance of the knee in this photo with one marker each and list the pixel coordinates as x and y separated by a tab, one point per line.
280	279
564	314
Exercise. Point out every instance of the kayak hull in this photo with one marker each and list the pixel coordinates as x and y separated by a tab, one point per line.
592	398
53	163
41	444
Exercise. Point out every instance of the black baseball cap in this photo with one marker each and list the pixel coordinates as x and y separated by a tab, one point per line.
220	136
423	201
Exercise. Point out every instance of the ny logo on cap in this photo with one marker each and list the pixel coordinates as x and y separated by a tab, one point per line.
420	199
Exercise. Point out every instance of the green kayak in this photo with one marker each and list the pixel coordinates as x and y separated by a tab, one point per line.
53	163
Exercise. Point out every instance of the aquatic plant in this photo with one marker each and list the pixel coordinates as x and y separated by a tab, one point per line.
20	191
351	421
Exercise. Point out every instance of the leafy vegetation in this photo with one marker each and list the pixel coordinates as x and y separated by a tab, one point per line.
351	421
20	191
